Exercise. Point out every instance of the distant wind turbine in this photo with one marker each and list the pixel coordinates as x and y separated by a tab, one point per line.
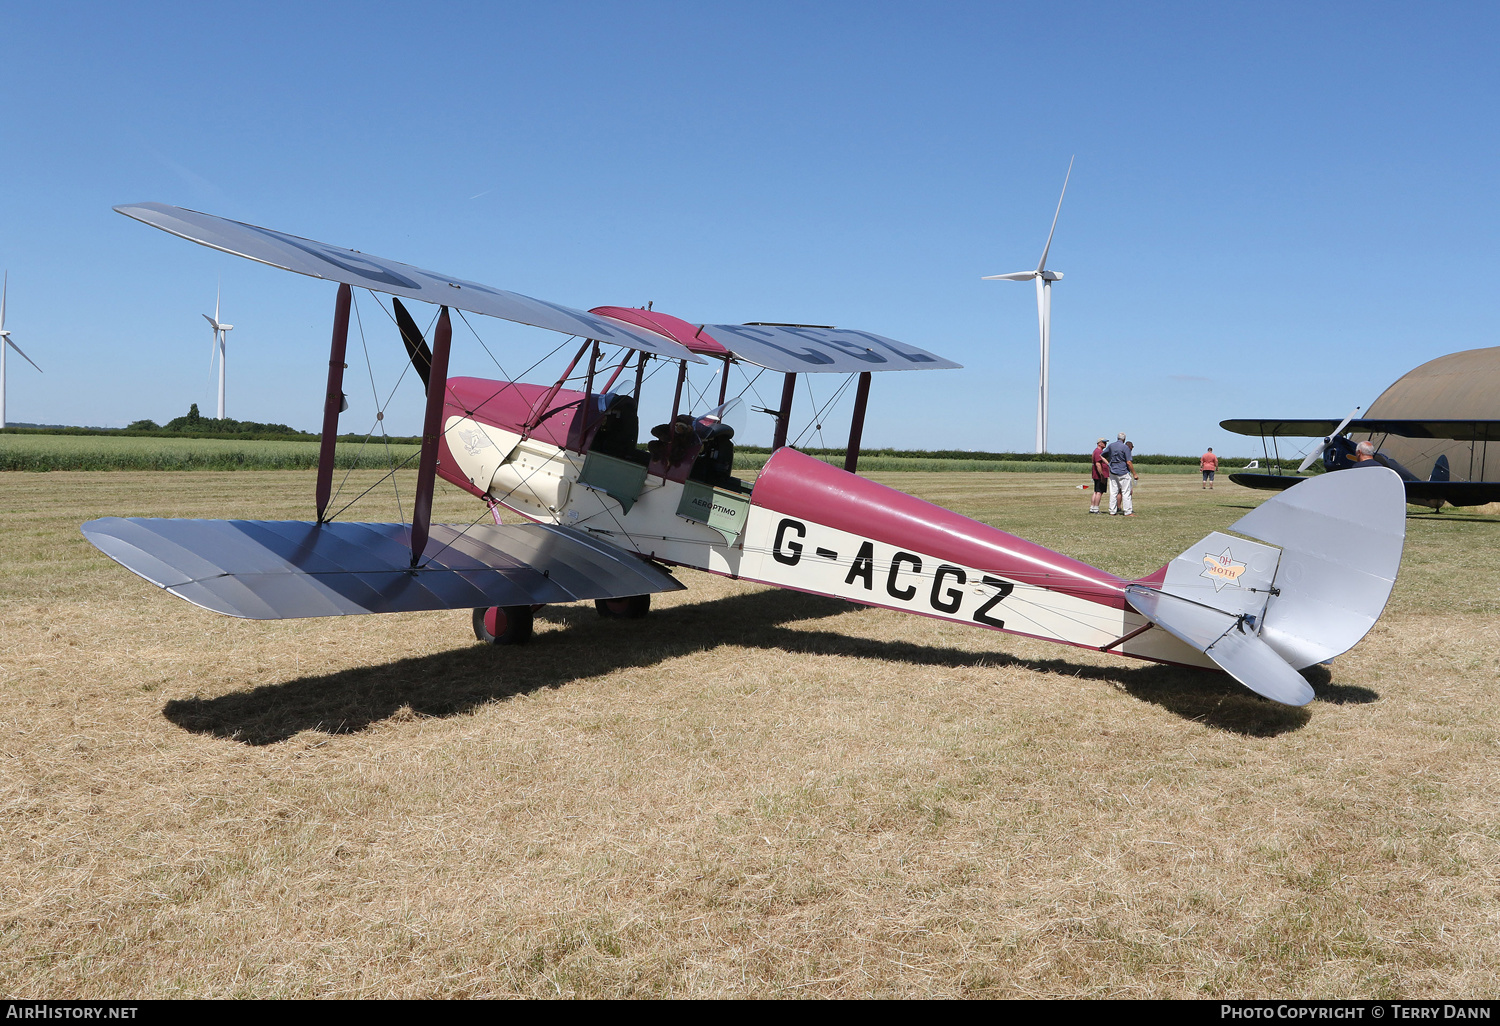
221	336
5	345
1044	279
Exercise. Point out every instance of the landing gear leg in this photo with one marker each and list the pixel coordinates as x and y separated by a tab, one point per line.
503	625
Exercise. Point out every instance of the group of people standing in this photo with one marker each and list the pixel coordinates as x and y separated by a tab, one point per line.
1114	471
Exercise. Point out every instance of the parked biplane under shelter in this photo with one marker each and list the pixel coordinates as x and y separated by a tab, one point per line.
1303	579
1433	426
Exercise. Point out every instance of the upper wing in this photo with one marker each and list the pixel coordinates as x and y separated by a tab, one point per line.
319	260
1459	430
804	349
1281	428
794	348
277	570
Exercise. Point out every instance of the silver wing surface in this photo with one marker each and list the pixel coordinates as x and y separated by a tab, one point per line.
278	570
806	349
320	260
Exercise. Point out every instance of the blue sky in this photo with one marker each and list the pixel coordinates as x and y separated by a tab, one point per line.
1277	209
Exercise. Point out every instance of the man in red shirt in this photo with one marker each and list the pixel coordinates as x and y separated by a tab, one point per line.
1208	464
1101	476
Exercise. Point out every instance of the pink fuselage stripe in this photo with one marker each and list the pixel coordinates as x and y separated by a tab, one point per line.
797	485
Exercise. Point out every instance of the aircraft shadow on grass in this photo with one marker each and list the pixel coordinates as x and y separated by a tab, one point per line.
459	681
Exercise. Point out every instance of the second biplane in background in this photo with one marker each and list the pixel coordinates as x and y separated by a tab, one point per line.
1433	427
1305	580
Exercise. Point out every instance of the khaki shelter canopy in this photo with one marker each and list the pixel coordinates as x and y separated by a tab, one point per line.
1459	386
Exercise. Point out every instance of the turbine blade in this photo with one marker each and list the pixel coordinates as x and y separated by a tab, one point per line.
1042	264
416	345
23	355
1014	276
4	290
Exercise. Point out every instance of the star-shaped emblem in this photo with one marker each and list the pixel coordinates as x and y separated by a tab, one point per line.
1222	570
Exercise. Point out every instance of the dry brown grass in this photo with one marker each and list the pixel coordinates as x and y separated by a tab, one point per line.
750	793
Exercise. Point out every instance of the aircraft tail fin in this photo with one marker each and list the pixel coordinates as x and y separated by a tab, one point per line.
1311	583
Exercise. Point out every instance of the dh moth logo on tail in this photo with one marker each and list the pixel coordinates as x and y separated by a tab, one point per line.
1222	570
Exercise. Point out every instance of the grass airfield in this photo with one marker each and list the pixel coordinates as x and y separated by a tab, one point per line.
750	793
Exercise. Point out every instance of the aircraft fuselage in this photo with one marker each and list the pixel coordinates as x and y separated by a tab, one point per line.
803	525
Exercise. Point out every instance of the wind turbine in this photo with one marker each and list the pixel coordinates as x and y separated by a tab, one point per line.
7	344
1044	279
221	336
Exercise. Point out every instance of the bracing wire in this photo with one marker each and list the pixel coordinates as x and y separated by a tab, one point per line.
820	414
693	401
389	473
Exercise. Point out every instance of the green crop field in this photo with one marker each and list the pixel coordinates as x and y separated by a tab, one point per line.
38	452
41	452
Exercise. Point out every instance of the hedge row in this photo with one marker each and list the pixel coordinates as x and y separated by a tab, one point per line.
1145	459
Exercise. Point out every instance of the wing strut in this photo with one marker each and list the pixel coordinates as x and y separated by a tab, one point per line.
432	433
857	425
784	415
677	395
640	374
333	403
540	411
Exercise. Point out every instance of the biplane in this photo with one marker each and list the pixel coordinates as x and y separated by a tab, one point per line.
1433	427
1302	579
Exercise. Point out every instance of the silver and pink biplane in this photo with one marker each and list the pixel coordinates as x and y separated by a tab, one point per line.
1301	580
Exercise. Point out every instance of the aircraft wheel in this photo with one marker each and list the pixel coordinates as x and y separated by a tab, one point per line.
503	625
632	608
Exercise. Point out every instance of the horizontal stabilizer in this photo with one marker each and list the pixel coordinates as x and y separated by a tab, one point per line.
1228	640
1263	614
1256	665
275	570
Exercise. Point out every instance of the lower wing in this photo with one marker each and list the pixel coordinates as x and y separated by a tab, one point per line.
285	569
